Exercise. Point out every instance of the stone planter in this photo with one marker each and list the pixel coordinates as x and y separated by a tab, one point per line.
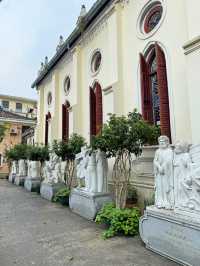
22	172
33	180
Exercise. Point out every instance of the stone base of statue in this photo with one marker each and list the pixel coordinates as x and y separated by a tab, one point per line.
32	184
87	204
11	178
172	234
48	190
19	180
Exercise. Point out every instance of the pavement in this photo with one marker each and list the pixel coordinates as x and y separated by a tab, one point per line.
34	231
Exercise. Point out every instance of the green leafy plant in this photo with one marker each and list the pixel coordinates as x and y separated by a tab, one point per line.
62	196
120	138
119	221
38	153
18	152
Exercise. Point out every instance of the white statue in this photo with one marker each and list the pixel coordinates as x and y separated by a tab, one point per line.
52	170
22	168
102	171
182	170
14	167
163	169
92	174
82	160
35	169
191	183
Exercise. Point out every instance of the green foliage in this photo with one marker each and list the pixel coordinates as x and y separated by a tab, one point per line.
18	152
119	221
62	196
68	150
38	153
125	133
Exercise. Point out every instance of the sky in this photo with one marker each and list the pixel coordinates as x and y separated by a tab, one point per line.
29	31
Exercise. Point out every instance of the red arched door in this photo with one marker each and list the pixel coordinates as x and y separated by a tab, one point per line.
96	109
65	121
154	89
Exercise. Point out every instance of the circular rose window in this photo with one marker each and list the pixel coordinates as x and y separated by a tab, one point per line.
96	62
49	98
67	85
152	18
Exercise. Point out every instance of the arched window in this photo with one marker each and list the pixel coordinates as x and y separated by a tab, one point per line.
96	112
65	121
154	89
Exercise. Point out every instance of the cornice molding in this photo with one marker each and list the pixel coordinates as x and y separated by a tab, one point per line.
192	45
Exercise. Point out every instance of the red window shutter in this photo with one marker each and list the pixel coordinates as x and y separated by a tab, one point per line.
92	113
163	92
99	109
146	96
65	123
46	130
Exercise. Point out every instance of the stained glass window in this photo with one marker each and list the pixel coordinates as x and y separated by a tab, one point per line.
153	17
155	92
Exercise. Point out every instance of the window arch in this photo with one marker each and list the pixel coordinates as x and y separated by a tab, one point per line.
65	121
96	109
154	89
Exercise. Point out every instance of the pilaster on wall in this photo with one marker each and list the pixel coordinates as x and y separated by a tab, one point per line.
56	117
40	117
77	110
118	90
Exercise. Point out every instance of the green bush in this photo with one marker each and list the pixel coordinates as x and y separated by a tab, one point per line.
38	153
18	152
119	221
62	196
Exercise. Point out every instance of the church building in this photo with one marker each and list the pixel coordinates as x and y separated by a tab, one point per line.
121	55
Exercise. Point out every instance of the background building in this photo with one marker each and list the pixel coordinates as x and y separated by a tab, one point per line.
18	115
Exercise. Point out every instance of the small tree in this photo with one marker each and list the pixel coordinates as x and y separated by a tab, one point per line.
3	128
121	137
67	151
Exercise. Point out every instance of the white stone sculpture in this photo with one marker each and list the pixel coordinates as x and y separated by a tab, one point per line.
22	168
82	160
52	170
93	168
92	174
63	171
35	168
102	171
163	169
182	170
14	167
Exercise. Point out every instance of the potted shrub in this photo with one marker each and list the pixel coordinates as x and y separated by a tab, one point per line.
67	151
121	138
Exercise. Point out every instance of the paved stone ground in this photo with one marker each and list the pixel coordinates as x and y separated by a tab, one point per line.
34	231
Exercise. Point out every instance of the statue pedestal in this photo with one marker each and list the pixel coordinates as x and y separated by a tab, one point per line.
32	184
19	180
87	204
11	178
175	235
47	190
